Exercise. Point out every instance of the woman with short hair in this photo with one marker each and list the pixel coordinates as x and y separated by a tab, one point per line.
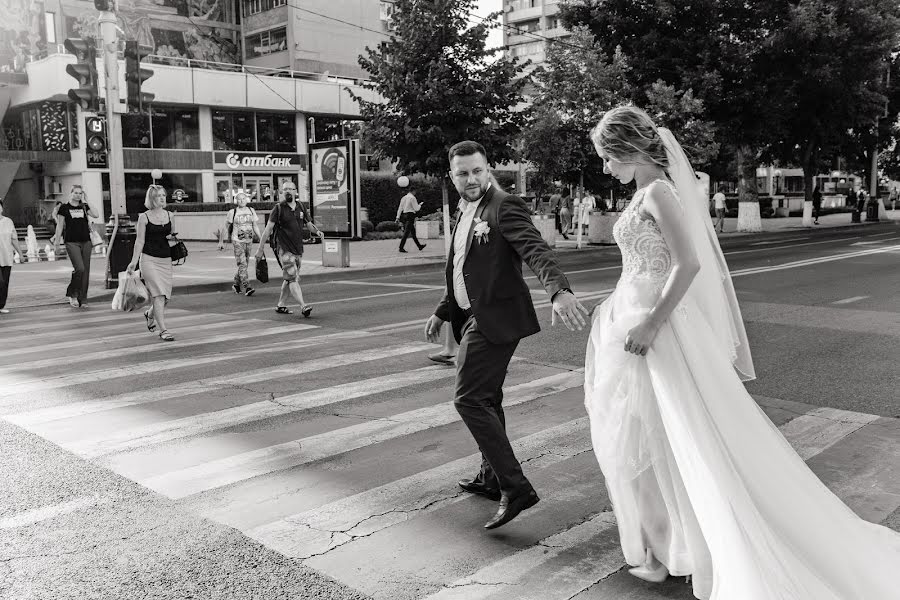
74	228
9	244
151	251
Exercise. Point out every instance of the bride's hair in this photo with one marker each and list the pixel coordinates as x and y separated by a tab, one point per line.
628	134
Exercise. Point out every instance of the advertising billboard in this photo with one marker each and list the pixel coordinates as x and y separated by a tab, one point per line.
334	187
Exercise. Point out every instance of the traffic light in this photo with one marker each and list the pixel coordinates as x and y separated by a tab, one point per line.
84	71
96	149
105	5
135	76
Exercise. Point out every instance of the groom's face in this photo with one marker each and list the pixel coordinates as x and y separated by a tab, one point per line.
471	176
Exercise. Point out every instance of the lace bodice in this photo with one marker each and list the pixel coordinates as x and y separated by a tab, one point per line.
645	254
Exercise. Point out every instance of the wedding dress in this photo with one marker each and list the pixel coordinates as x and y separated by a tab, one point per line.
694	468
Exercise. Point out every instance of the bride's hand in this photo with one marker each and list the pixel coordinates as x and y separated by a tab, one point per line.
640	338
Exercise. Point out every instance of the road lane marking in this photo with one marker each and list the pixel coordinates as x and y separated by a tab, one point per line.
139	332
157	346
167	431
818	430
52	319
133	326
31	418
874	242
45	513
810	262
850	300
400	285
353	299
325	527
789	246
779	241
239	467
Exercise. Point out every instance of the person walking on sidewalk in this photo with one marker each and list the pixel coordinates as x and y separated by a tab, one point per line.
406	215
152	253
9	243
241	228
74	228
565	212
719	201
286	223
816	203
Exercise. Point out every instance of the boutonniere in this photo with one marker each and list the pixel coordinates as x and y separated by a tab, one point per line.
482	229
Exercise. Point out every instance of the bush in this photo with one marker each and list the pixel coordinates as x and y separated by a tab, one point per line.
383	235
367	227
387	226
381	195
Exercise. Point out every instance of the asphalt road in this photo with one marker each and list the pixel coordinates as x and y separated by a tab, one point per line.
271	456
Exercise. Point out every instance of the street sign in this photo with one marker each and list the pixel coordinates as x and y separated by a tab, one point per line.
96	148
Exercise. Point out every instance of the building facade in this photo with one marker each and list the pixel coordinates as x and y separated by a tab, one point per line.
233	108
527	27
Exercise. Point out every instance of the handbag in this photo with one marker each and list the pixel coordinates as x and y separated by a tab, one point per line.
262	270
96	238
178	251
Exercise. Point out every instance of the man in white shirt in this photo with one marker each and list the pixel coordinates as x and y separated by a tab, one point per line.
406	215
719	200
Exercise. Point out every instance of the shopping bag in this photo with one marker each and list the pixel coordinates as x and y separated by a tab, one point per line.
120	293
262	270
135	293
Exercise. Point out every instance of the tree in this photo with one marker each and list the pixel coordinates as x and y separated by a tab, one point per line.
710	48
577	84
438	88
829	64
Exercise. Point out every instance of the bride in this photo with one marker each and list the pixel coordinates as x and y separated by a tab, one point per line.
701	482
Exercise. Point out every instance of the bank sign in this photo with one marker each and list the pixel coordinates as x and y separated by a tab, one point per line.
259	161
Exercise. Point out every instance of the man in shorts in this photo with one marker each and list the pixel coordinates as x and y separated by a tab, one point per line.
287	221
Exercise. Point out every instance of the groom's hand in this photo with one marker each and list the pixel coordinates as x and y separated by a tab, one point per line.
433	329
567	307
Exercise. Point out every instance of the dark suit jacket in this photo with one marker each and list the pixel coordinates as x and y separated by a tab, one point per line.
501	301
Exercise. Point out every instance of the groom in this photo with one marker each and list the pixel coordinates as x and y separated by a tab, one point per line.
489	308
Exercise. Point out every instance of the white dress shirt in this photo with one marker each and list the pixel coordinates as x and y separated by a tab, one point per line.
408	203
460	236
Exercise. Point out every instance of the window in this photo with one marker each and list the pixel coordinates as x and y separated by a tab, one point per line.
527	26
527	49
136	185
50	27
233	130
266	42
276	132
175	128
553	23
164	127
253	7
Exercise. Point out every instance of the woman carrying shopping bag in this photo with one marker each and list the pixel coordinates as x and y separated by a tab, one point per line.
152	253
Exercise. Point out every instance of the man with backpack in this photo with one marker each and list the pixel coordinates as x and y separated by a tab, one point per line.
242	229
285	230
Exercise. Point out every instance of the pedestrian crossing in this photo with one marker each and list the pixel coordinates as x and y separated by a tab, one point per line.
342	448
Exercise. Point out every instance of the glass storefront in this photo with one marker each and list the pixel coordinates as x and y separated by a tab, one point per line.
262	187
164	128
136	184
246	131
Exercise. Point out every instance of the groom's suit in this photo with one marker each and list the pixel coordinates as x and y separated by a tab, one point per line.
500	313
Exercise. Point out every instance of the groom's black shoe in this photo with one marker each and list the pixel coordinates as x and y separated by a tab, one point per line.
476	487
511	506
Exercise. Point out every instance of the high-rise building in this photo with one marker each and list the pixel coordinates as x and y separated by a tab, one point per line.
528	25
233	80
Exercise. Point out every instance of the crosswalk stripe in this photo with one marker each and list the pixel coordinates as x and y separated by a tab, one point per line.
139	331
522	570
29	418
38	515
167	431
158	346
222	472
40	320
818	430
323	528
132	325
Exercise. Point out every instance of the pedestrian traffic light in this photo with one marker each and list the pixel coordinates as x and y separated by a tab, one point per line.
96	150
84	71
135	76
105	5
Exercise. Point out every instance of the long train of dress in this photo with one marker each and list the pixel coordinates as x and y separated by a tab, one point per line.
697	472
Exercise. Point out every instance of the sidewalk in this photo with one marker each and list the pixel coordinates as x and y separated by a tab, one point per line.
207	269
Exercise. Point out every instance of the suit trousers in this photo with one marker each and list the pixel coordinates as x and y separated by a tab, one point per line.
481	370
408	219
5	273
